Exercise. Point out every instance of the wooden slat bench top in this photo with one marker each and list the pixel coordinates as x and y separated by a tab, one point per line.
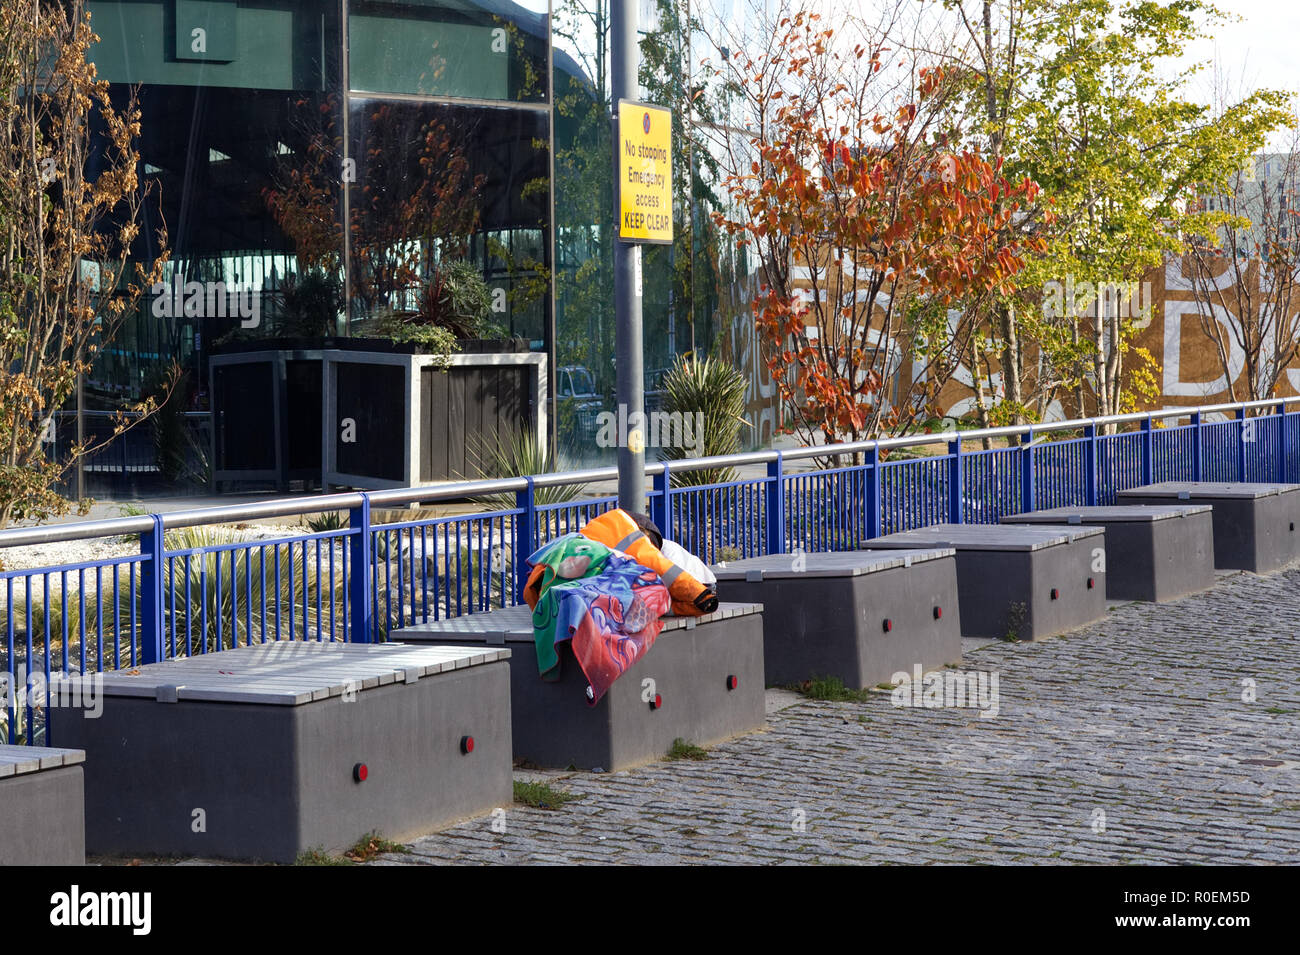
1108	514
515	624
289	672
1209	490
848	563
19	760
995	537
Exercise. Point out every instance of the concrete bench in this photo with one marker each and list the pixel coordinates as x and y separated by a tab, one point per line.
1019	582
861	616
706	674
266	752
1154	552
1255	525
42	813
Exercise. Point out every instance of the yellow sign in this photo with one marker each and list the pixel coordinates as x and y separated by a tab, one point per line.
645	173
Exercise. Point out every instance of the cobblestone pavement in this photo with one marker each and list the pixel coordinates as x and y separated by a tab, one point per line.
1133	741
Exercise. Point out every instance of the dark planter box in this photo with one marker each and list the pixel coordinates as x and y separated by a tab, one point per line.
1255	525
1021	582
689	665
1154	552
252	753
861	616
42	814
467	346
366	413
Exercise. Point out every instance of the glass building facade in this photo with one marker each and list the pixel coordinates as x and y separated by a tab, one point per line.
326	157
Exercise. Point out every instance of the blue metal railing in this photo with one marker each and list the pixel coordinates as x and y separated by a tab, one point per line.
185	586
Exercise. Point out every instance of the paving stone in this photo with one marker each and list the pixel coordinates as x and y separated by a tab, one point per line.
1140	717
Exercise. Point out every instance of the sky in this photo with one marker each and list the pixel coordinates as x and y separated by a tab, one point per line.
1258	47
1259	51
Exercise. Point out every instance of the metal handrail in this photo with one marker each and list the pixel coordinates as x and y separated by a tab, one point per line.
311	504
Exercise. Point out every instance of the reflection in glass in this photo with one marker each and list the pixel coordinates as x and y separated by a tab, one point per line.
584	218
439	184
219	128
479	49
689	287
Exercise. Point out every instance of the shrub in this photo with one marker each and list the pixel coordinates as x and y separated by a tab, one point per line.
246	579
520	455
716	391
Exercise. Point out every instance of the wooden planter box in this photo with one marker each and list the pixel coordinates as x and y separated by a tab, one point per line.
366	413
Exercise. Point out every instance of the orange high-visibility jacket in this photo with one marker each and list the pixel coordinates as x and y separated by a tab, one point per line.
616	529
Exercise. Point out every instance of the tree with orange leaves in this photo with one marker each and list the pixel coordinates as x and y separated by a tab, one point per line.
874	239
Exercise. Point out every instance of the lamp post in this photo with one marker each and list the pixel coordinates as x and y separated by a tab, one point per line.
630	368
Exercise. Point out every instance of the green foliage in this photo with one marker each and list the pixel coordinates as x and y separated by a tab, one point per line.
1016	614
530	279
518	455
181	456
327	521
1088	99
311	305
689	275
457	298
433	339
682	749
832	688
318	856
542	796
717	392
371	845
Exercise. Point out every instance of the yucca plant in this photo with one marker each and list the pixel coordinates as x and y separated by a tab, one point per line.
716	392
107	614
109	631
326	521
243	578
520	456
462	582
232	586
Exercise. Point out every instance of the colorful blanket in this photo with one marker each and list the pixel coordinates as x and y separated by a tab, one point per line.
601	600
